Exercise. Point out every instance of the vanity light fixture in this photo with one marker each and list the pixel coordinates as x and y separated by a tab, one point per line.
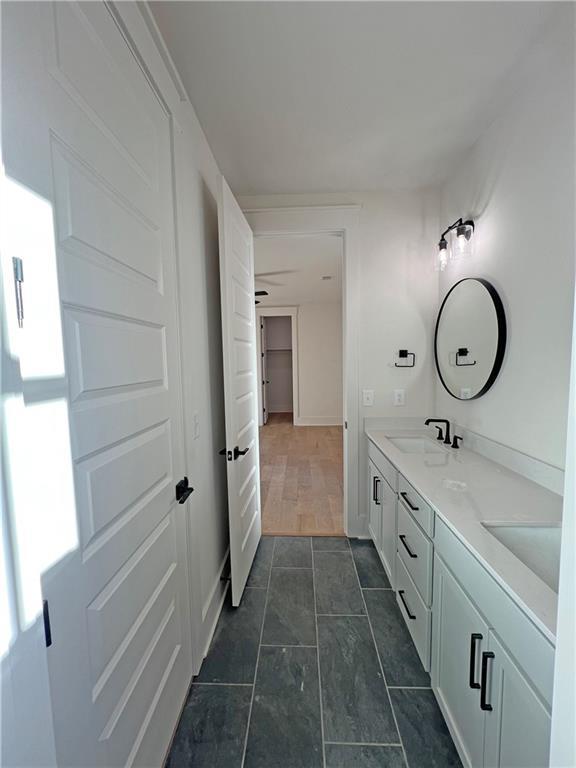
463	231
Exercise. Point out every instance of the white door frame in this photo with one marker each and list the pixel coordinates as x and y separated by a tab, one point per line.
340	220
291	312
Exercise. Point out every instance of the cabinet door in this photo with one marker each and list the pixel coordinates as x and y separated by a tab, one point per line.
375	507
459	636
388	501
517	728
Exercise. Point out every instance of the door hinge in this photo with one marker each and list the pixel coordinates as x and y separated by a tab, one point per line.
18	268
261	354
47	628
345	425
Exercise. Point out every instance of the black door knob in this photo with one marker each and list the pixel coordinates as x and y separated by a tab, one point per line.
238	452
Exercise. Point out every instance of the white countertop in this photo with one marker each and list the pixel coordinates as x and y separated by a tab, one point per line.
465	490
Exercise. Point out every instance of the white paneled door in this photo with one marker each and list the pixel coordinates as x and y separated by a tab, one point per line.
240	387
84	130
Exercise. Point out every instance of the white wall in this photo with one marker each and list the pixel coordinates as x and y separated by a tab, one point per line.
398	290
320	363
278	332
517	184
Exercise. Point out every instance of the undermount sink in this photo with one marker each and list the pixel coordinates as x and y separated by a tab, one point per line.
416	445
537	546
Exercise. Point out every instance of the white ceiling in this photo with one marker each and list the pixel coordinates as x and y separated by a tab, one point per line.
344	96
306	260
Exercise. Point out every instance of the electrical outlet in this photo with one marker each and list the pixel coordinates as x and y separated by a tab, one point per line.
195	425
368	397
399	397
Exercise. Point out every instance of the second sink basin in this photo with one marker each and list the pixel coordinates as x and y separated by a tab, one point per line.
416	445
537	546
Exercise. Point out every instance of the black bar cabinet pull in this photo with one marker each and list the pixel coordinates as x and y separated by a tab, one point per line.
374	478
376	497
407	500
402	538
405	604
474	637
486	655
238	452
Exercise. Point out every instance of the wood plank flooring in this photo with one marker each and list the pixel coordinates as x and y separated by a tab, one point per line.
301	473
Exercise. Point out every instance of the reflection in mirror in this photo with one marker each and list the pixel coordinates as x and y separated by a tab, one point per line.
470	338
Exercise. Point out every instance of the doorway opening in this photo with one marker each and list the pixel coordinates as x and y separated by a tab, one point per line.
298	286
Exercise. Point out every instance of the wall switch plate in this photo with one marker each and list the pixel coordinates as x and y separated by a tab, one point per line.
368	397
399	397
195	425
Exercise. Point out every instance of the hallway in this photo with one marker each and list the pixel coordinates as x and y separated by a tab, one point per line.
315	668
301	478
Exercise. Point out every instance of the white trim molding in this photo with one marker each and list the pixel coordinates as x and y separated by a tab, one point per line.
341	220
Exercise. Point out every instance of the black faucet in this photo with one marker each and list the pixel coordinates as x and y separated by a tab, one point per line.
446	440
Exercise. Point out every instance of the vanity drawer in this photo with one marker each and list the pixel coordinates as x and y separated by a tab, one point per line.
415	504
416	552
418	618
386	468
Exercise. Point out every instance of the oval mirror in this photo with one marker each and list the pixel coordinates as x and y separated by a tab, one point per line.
470	338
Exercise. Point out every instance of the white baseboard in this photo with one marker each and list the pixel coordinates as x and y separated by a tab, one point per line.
213	606
322	421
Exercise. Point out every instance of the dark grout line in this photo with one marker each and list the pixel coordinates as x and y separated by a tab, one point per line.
318	661
285	645
381	666
365	743
377	589
226	685
257	658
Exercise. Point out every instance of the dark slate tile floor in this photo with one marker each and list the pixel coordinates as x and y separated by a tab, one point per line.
315	669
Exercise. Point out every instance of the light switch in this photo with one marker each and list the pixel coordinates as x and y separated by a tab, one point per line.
368	397
399	397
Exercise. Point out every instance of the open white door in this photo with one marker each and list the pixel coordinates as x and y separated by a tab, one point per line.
240	386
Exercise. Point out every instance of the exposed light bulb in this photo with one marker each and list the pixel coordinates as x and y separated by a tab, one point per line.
442	255
464	239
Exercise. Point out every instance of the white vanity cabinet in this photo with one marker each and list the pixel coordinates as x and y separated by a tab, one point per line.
374	506
460	635
491	665
517	727
492	669
382	484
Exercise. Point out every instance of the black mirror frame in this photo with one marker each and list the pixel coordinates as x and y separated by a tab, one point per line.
501	344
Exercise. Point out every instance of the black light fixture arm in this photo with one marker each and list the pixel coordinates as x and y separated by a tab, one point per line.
458	223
